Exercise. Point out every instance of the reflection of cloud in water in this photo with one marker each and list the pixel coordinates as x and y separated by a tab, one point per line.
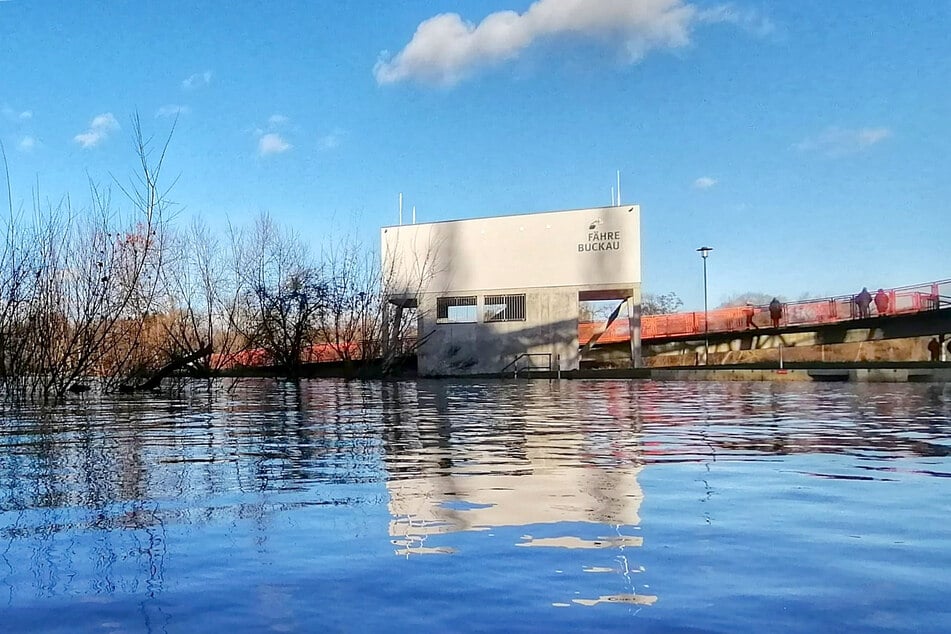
636	599
598	569
578	543
626	571
410	548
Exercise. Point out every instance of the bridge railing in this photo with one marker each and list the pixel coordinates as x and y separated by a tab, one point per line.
840	308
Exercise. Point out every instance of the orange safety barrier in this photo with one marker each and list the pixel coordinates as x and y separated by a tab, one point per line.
317	353
902	300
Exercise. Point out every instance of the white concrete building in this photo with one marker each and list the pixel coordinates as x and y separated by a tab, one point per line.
489	290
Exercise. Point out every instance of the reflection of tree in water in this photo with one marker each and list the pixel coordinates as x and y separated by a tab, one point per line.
97	499
76	495
91	497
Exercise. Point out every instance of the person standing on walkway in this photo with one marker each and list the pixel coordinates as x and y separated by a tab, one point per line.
934	347
775	312
881	302
749	311
863	300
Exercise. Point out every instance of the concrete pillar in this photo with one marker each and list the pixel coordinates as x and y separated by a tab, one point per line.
397	329
634	315
385	334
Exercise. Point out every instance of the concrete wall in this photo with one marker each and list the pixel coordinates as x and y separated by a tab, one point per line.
597	247
797	347
861	375
550	326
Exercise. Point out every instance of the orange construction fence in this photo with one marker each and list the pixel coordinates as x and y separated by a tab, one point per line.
900	301
317	353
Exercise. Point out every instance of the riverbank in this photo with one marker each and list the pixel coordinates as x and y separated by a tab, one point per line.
870	372
822	375
854	372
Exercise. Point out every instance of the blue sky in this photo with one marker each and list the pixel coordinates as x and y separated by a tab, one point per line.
806	141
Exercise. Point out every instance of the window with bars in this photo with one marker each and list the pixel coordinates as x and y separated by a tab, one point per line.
456	310
504	308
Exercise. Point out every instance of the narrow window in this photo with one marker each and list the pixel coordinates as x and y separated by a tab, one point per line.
504	308
456	310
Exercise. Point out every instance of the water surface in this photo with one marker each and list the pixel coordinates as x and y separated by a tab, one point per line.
481	506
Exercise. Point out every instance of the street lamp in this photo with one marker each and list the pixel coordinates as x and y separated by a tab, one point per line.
704	252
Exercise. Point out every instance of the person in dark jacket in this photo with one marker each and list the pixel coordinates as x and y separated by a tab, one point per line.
934	348
775	312
863	300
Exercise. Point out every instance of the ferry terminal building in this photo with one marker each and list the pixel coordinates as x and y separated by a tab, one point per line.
489	290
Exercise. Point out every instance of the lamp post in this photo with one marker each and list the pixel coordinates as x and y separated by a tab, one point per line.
704	252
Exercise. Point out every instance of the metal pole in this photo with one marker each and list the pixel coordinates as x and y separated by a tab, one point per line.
704	252
706	323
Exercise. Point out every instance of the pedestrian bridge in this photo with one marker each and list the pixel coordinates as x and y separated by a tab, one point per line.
911	311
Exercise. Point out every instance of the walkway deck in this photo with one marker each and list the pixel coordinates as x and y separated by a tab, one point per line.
799	315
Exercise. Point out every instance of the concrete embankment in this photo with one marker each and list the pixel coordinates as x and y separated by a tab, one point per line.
856	375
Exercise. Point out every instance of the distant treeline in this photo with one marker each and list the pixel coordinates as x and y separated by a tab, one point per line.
112	290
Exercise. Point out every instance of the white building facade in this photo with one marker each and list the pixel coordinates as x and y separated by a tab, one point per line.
489	291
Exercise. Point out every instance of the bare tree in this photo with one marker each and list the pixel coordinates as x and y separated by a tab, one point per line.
199	296
370	309
750	297
350	324
660	304
17	291
404	275
110	292
283	294
79	282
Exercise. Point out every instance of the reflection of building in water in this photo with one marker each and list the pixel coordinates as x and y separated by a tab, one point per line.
546	486
526	480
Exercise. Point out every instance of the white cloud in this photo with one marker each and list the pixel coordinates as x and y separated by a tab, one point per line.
747	19
171	111
835	141
446	48
272	143
99	130
331	141
197	80
27	143
704	182
15	115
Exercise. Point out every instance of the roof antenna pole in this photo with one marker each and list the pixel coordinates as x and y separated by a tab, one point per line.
619	188
414	214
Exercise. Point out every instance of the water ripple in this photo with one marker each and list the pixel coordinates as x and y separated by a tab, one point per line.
481	505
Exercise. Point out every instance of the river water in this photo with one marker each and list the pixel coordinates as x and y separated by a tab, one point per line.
490	506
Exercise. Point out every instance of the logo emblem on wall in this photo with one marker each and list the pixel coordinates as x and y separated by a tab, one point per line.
600	240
